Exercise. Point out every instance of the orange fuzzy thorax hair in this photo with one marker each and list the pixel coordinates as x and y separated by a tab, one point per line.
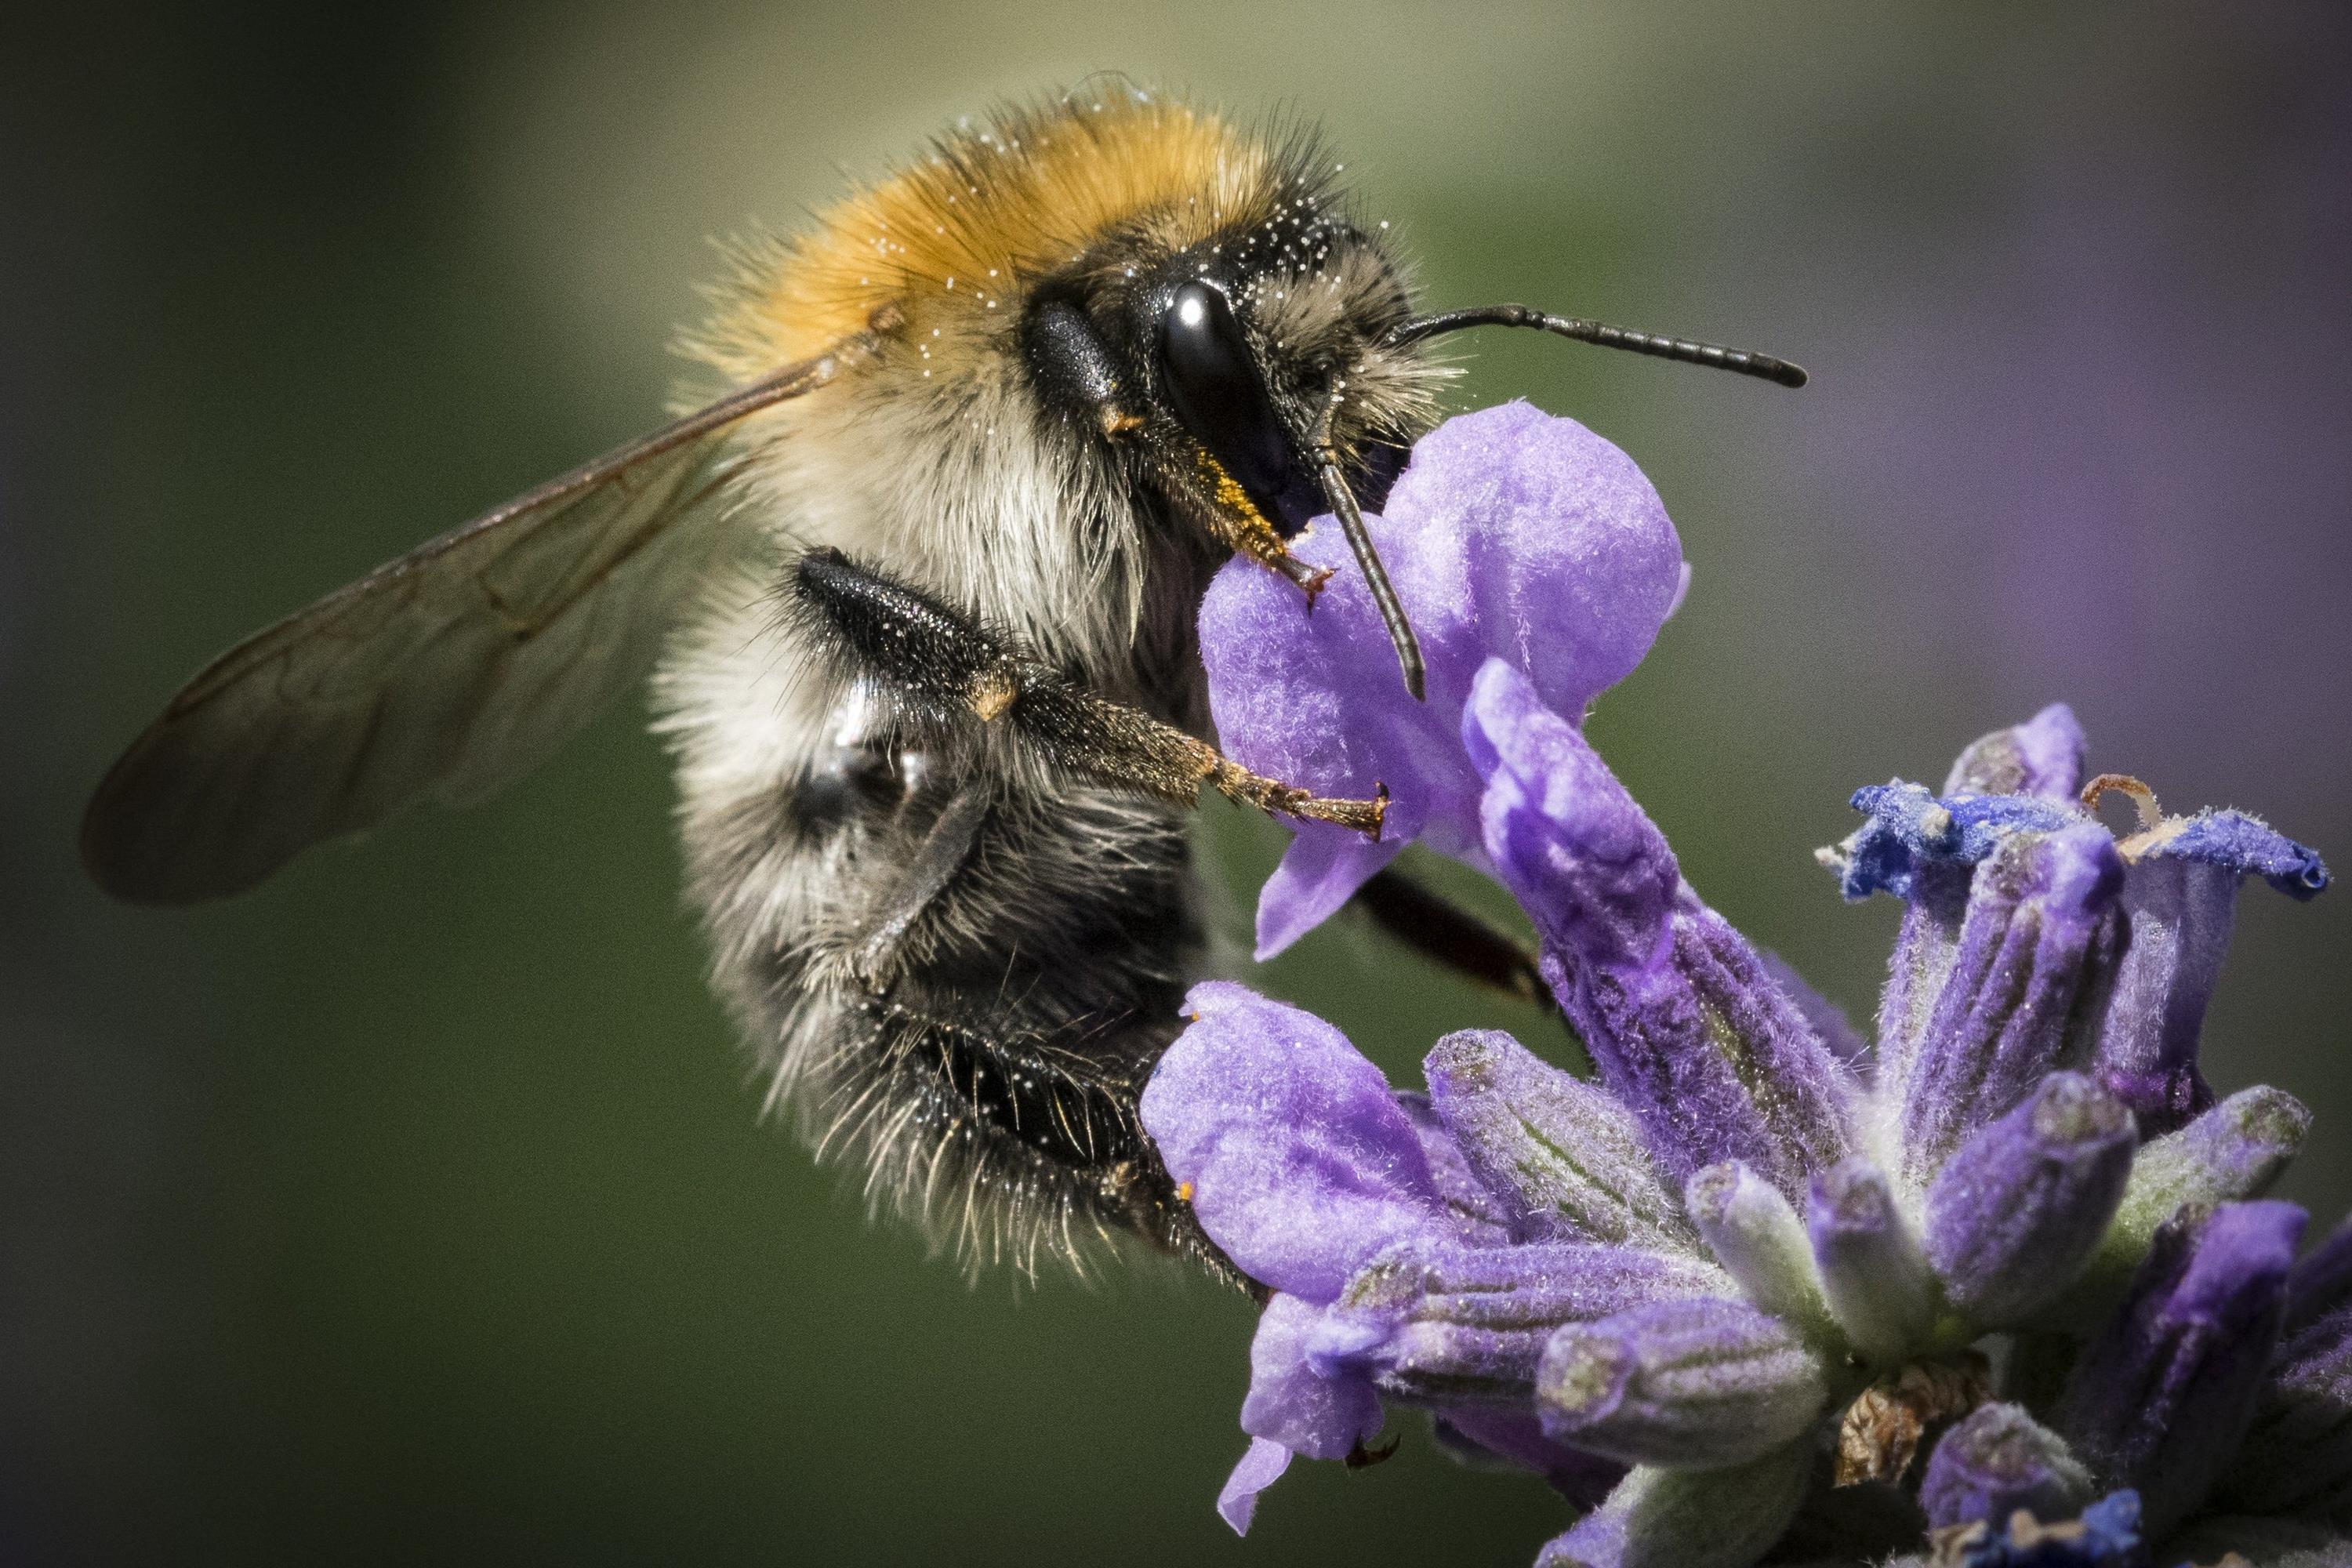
948	239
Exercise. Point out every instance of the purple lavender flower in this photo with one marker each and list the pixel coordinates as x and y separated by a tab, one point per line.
1741	1270
1511	533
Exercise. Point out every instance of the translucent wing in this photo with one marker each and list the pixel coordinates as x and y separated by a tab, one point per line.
451	671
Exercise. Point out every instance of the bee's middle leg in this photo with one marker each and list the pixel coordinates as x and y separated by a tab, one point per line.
952	669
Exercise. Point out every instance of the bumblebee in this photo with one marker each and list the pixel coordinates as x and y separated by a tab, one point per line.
916	588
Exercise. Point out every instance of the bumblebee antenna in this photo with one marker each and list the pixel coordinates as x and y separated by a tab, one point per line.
1741	361
1367	559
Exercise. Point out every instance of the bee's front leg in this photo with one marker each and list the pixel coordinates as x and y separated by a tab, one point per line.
949	668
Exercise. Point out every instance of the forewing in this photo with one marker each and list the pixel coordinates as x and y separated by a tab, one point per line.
450	671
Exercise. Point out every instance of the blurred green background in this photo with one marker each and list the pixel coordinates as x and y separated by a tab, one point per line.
415	1206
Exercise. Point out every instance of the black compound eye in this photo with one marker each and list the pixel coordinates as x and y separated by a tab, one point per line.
1217	394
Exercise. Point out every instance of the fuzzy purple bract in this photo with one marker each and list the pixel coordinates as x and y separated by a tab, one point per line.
2002	1290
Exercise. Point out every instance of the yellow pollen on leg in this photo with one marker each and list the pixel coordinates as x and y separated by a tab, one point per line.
991	695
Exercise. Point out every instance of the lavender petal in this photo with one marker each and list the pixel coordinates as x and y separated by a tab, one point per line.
1699	1383
1591	868
1298	1161
1512	534
2018	1212
2245	845
1322	1412
2106	1534
1259	1469
1910	829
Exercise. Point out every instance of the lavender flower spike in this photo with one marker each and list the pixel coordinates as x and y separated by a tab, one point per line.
1512	534
2162	1397
1683	1023
2022	1206
1997	1460
1764	1273
1699	1383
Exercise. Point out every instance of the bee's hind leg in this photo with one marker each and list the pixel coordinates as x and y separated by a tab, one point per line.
951	669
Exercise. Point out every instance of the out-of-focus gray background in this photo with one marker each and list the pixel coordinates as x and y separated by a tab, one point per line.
415	1207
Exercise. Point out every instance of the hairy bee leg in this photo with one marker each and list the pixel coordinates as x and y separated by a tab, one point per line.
1447	934
1045	1125
937	859
952	668
1238	524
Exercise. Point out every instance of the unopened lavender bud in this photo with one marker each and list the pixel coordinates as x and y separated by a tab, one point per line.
2042	756
2161	1398
1685	1024
2297	1457
1660	1518
1471	1323
2016	1213
2232	1153
1568	1159
2041	924
1754	1234
1997	1460
1480	1218
1704	1382
1873	1274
